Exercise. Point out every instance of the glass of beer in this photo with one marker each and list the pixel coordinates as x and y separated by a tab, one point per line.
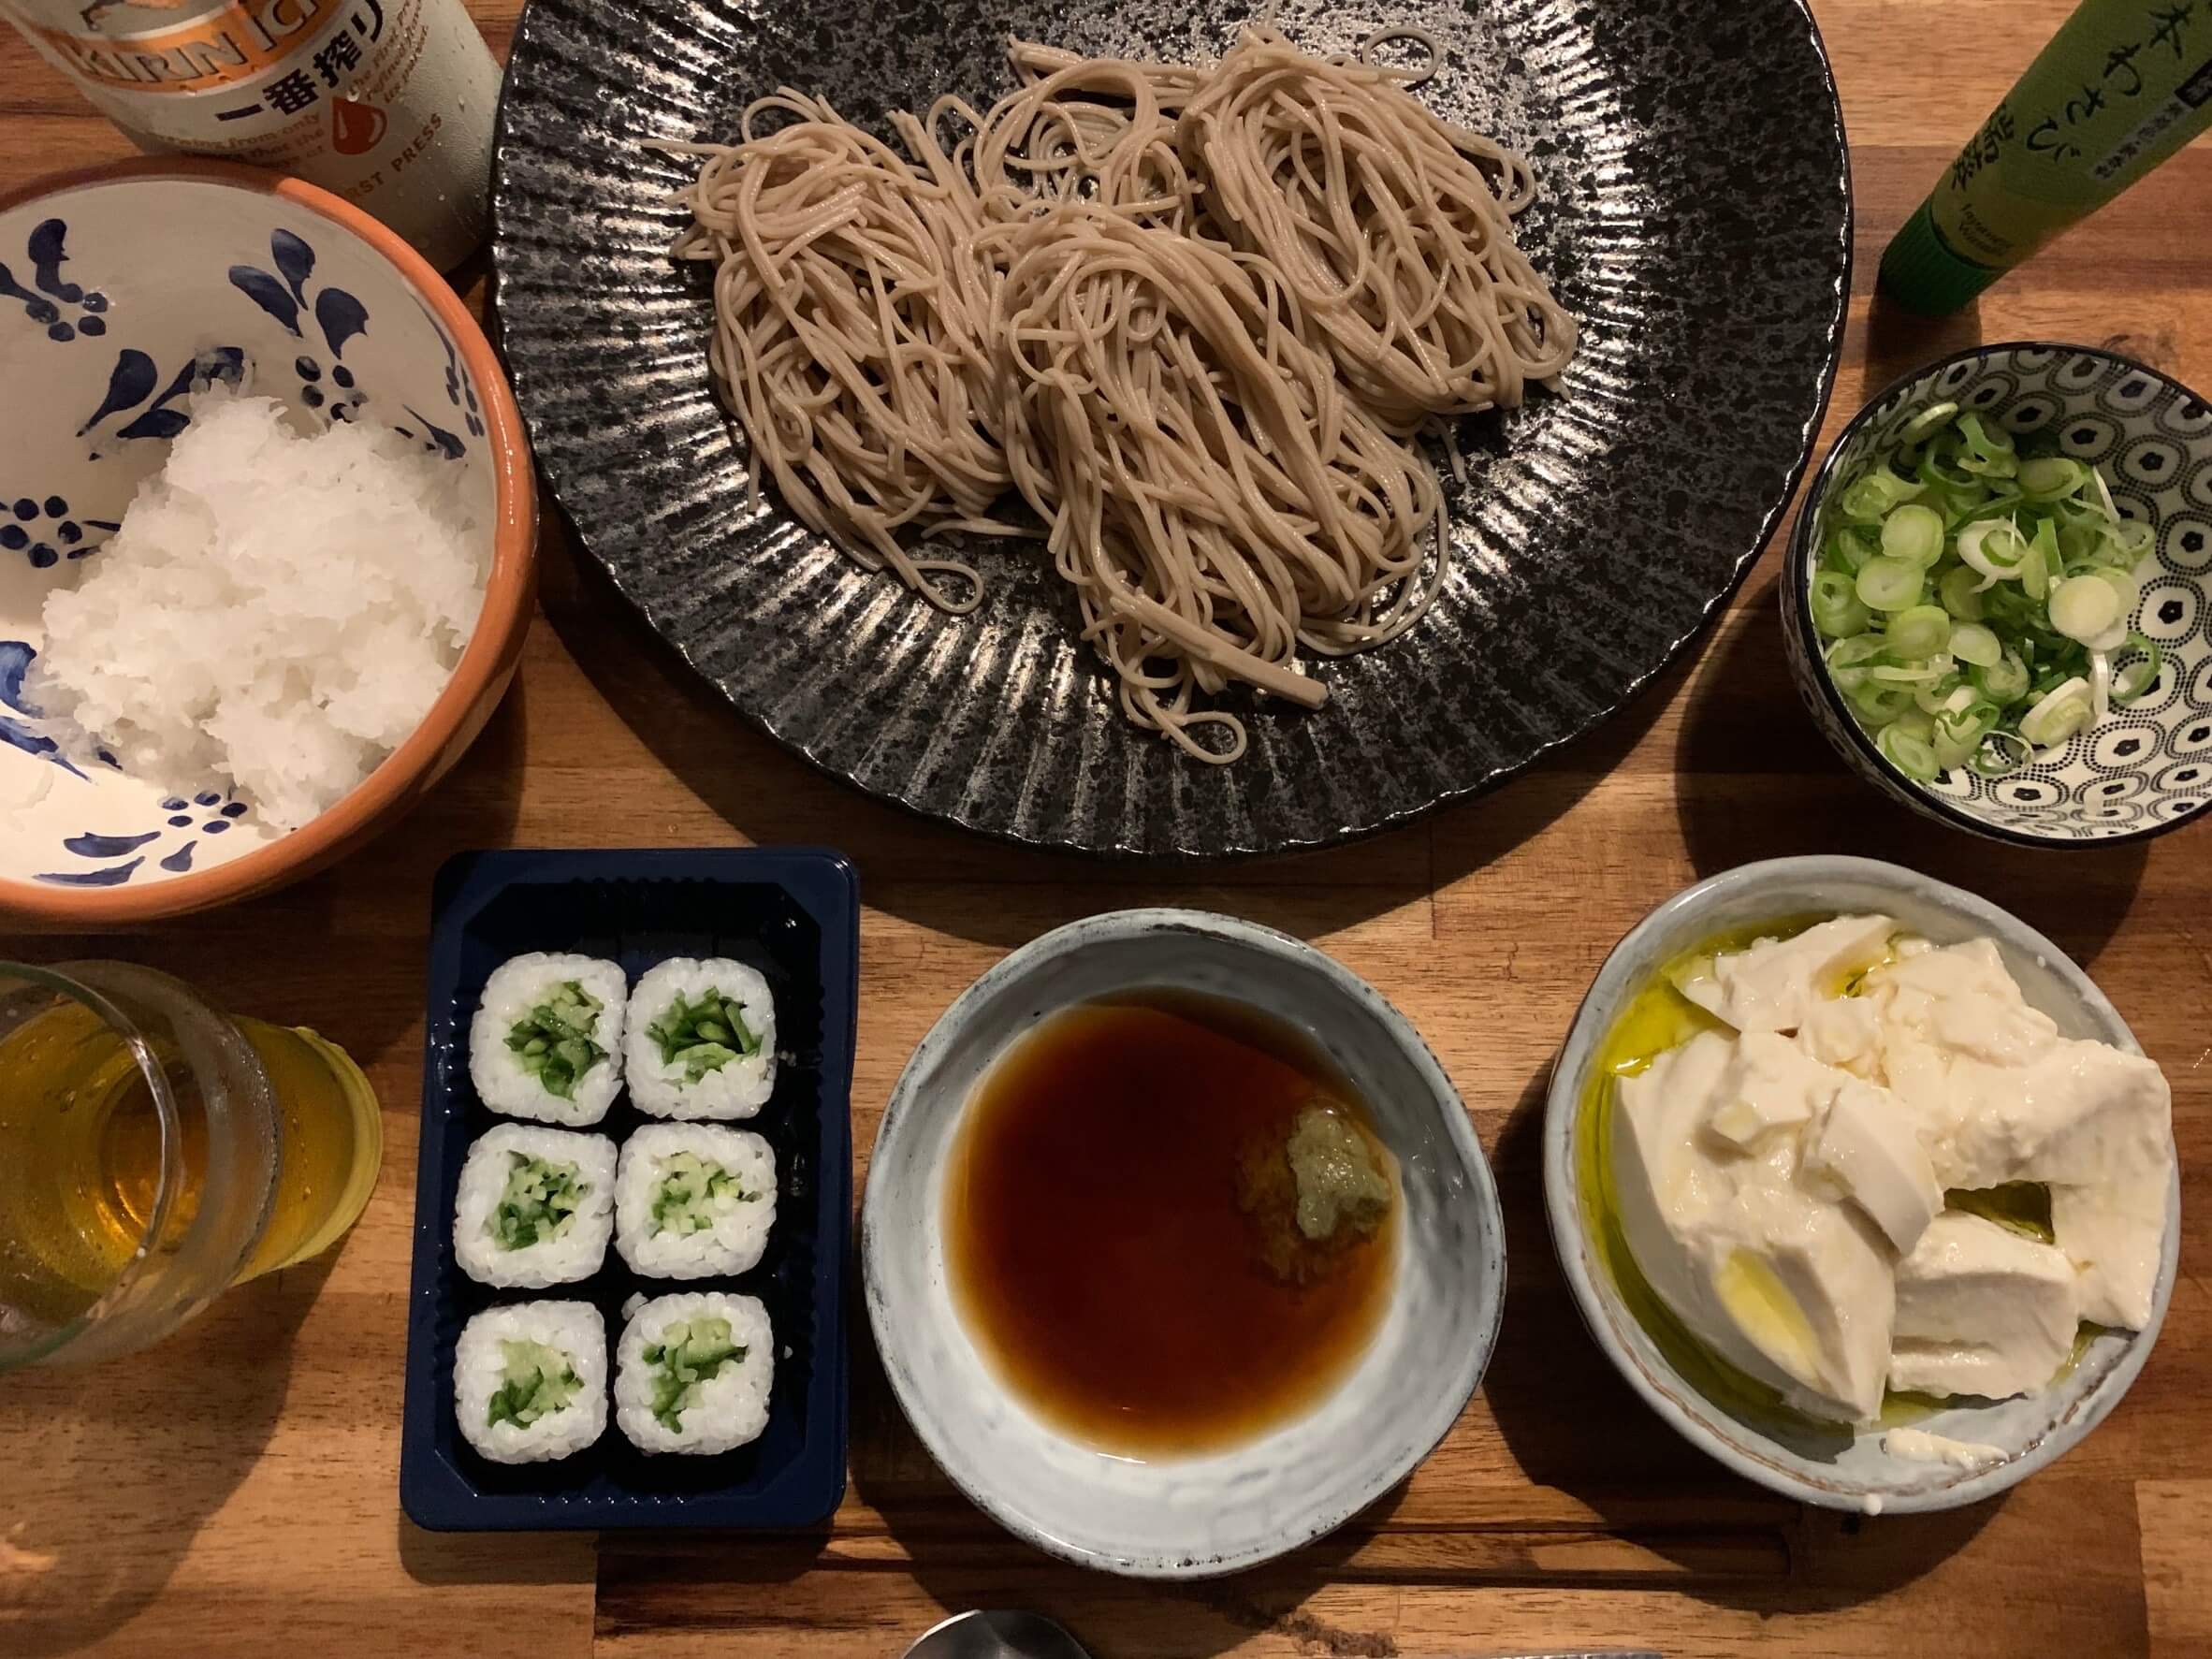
154	1151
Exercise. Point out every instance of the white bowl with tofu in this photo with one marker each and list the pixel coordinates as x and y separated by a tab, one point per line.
1861	1183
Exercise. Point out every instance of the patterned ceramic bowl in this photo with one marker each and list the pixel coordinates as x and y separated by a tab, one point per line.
117	286
1829	1465
1217	1511
2141	770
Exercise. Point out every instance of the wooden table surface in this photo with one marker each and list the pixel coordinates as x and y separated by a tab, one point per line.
235	1492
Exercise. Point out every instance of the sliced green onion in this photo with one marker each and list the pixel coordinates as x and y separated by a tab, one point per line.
1959	590
1932	419
1920	632
2000	752
1876	704
2082	539
2128	540
1992	547
2051	477
1912	673
2136	670
1836	610
1857	650
1913	533
1961	553
2125	588
2082	608
2002	682
1887	584
1958	732
1913	755
1989	453
1976	646
1939	468
2062	711
1849	547
1938	697
1869	500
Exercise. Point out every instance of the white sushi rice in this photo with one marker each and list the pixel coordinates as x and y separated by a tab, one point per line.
578	1335
504	1080
713	1233
574	1250
663	1088
723	1411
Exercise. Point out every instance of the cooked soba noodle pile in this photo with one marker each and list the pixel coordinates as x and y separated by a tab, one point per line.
1196	318
1214	497
847	304
1394	228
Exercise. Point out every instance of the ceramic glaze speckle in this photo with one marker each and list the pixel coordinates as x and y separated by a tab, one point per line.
1221	1511
2145	768
1842	1471
248	287
1599	529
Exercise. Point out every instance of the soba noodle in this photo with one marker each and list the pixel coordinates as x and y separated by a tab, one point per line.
1194	318
1102	129
1215	497
1393	227
846	299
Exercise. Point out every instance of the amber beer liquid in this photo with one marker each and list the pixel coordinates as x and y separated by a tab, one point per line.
81	1157
388	103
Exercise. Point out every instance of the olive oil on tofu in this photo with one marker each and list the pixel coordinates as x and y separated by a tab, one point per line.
1658	1018
1169	1224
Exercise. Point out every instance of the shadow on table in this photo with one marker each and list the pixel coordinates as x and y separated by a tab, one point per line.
1897	342
923	870
1757	780
960	1560
1574	1424
111	1471
438	1560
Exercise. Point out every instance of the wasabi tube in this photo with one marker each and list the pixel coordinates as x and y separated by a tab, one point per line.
2122	86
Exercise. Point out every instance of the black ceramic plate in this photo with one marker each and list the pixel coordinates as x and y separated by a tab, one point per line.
1693	214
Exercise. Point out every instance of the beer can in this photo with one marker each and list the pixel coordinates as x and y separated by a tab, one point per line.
388	103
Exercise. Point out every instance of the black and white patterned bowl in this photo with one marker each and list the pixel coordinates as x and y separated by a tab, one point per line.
2142	771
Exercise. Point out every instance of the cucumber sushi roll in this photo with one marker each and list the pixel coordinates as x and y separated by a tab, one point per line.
691	1200
545	1043
693	1373
530	1381
701	1041
535	1207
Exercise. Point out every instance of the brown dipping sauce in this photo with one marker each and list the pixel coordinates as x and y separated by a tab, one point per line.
1120	1225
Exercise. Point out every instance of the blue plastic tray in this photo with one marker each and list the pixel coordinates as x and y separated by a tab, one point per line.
794	914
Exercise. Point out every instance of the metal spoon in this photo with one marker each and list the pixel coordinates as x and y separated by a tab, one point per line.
996	1635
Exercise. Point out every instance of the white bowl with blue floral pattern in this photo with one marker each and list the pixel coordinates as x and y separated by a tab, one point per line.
2144	769
120	287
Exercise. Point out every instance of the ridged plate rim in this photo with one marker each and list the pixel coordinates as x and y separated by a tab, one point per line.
1830	120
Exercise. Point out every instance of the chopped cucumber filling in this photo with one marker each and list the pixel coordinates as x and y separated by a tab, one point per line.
702	1036
688	1355
536	1382
693	1194
538	1203
553	1042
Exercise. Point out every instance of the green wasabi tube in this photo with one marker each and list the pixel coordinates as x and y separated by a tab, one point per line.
2122	86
